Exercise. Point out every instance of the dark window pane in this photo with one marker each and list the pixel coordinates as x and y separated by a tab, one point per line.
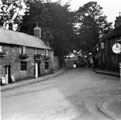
23	65
46	65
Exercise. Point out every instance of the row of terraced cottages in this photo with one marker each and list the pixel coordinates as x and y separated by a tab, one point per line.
23	56
107	59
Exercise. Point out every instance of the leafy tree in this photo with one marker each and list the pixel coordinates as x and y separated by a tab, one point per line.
93	24
56	22
11	13
62	27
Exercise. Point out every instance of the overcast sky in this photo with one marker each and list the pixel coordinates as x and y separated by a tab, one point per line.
111	8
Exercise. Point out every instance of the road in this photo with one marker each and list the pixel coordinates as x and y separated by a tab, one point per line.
73	95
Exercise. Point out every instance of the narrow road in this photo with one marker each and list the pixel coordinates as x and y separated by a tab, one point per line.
72	95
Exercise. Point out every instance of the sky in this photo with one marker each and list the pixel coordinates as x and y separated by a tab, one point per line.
111	8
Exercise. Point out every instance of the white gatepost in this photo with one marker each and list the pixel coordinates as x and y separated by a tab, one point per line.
36	70
3	80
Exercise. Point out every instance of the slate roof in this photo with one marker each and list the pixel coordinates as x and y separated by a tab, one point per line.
116	32
22	39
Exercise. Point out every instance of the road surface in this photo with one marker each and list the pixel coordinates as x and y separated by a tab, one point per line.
73	95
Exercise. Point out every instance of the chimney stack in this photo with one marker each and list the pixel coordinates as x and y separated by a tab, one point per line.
118	20
37	31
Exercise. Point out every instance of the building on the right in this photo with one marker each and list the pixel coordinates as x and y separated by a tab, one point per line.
107	58
118	21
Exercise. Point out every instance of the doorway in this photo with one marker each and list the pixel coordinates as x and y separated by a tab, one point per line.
37	69
8	74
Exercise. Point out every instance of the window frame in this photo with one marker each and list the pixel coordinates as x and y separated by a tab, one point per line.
46	65
1	48
46	53
23	65
22	50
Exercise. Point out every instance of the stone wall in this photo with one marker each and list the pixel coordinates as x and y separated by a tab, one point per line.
56	63
12	58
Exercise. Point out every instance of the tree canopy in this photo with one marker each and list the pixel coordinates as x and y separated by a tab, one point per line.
57	23
93	24
11	13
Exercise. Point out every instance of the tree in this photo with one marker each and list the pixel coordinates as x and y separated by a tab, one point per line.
62	27
56	22
93	24
11	13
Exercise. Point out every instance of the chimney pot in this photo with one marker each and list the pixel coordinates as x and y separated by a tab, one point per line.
37	31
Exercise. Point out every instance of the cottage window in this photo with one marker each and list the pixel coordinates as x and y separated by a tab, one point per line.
23	65
46	65
1	49
43	52
102	45
46	52
22	50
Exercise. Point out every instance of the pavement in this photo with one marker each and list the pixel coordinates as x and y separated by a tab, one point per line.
106	72
30	81
111	106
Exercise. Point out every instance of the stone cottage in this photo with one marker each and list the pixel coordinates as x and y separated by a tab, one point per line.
24	56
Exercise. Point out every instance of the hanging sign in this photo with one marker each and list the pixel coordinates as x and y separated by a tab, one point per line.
116	48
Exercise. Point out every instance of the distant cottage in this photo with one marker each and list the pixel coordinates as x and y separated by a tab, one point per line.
24	56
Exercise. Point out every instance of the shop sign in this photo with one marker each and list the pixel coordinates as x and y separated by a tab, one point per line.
116	48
